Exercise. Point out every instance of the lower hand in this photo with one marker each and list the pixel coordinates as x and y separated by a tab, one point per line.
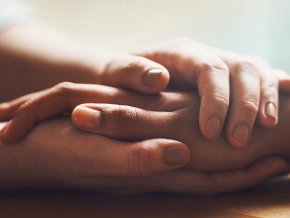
57	156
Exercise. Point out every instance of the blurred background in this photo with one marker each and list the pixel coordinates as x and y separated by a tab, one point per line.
260	27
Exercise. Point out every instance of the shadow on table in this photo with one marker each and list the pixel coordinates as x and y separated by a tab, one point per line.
270	200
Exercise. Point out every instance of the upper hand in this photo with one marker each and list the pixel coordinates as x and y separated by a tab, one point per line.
235	90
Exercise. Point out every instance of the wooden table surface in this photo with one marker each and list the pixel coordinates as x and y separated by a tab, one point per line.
271	200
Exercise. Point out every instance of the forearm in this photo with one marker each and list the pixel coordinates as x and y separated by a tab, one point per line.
34	56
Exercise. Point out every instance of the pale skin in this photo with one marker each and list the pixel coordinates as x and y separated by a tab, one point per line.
53	58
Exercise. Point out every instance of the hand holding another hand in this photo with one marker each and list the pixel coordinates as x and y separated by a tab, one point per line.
78	160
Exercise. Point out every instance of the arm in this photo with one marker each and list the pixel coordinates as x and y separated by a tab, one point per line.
34	56
82	161
54	58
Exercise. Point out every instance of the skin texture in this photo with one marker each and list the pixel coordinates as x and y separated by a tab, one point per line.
78	160
83	161
218	75
241	87
161	119
172	115
54	57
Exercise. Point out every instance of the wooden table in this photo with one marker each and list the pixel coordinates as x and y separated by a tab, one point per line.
271	200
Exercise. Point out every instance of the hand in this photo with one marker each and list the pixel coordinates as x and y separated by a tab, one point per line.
186	60
57	155
175	116
168	115
242	87
28	110
54	57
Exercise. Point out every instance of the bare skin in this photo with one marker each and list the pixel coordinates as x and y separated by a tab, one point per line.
54	57
77	160
175	116
168	115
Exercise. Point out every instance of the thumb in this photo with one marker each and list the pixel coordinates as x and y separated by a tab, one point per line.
137	73
144	158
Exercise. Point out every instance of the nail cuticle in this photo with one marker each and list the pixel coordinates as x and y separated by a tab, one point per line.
241	132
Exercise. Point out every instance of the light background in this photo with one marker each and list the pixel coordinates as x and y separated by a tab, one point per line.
260	27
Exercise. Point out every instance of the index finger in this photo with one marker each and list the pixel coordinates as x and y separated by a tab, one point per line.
63	98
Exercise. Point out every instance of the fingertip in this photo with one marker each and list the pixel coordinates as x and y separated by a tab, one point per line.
75	115
6	134
212	128
268	115
155	80
177	155
167	155
86	117
267	122
235	138
5	111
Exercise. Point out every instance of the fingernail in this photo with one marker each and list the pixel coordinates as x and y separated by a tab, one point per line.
241	133
176	156
152	77
271	111
88	118
213	127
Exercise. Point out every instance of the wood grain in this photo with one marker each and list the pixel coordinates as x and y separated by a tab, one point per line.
271	200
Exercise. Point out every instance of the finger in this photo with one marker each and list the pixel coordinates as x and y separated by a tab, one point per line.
137	73
183	181
124	122
213	86
7	109
245	98
143	158
284	80
255	174
269	100
195	64
61	98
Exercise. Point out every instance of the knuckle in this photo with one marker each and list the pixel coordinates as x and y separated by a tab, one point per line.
219	99
131	67
27	107
27	110
128	116
124	64
119	120
213	66
246	66
139	161
250	104
64	87
270	90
